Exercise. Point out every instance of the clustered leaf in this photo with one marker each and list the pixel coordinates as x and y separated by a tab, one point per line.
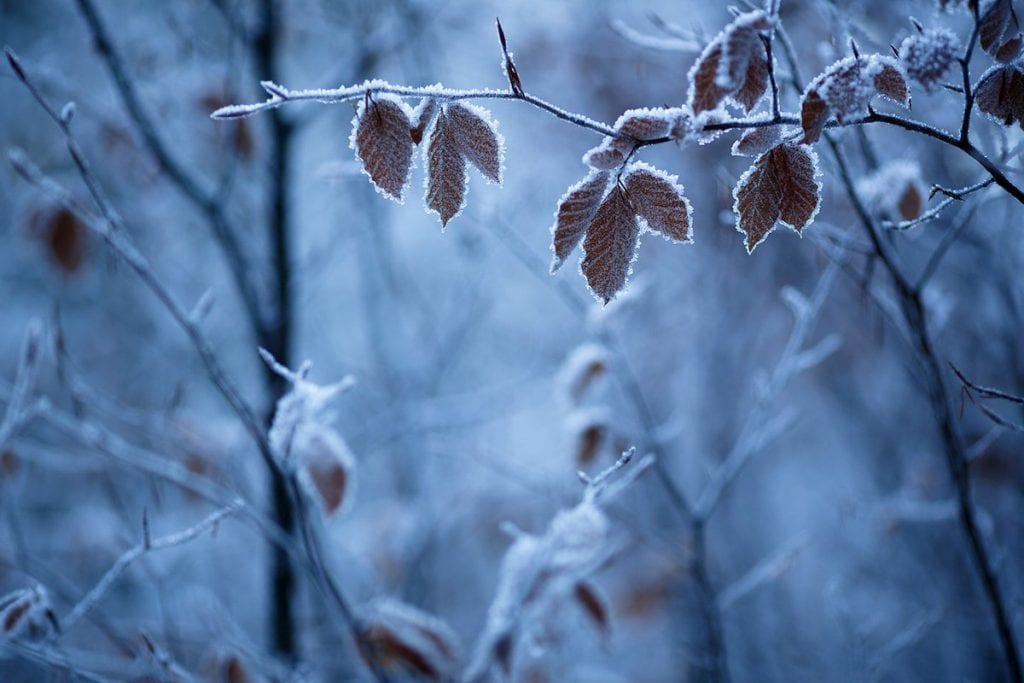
462	133
847	87
611	222
385	131
733	66
781	186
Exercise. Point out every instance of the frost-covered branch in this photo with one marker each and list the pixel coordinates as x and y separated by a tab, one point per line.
147	545
19	409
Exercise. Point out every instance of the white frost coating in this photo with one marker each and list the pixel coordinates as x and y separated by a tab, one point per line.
580	420
886	188
706	118
848	85
672	180
360	111
927	56
654	122
738	44
306	402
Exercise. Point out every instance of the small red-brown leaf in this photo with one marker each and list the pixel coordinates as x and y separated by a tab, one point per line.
741	42
575	211
781	186
733	64
658	199
610	245
588	443
889	81
993	23
756	141
381	139
63	236
391	651
478	138
927	56
813	117
847	87
755	84
593	605
705	94
422	115
1010	49
610	154
446	171
644	124
327	464
911	203
1001	95
235	671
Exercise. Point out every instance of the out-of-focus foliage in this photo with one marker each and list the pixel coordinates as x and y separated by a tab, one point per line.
483	382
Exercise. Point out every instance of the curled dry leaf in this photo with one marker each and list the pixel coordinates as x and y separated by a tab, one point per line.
781	186
734	65
380	137
462	133
610	154
1000	95
847	87
609	219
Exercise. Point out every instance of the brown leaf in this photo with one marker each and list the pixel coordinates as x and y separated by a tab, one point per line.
63	237
575	211
733	64
589	443
891	83
610	245
391	651
929	55
330	480
780	186
758	140
705	95
446	171
813	116
643	124
847	87
1001	95
478	138
755	85
593	605
659	200
423	115
911	203
993	24
1010	49
8	463
382	142
610	154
